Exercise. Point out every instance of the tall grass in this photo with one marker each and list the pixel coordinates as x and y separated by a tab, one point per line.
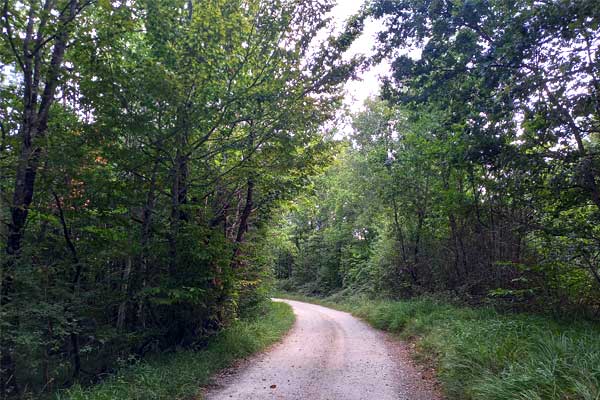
482	354
180	375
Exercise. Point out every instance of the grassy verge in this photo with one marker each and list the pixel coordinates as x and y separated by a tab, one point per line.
180	375
483	354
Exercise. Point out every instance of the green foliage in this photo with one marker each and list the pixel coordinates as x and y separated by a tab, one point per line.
144	148
405	210
513	86
179	375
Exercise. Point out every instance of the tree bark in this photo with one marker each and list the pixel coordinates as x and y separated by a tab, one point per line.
243	224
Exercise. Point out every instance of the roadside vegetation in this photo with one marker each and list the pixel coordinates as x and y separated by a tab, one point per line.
181	374
482	354
162	160
144	148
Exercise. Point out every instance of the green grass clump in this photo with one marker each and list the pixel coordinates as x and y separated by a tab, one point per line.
481	354
180	375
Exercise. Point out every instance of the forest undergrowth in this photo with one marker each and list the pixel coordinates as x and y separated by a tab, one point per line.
181	374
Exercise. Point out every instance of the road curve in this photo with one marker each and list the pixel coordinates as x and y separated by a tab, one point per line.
328	355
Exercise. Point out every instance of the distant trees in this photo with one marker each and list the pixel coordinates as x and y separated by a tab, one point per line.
142	144
477	171
403	212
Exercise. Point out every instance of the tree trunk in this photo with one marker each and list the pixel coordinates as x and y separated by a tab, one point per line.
459	247
178	198
420	220
73	336
398	228
243	224
145	238
122	313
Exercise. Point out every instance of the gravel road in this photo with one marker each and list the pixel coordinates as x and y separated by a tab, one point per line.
328	355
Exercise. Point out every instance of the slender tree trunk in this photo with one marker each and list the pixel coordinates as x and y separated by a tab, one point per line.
145	238
398	228
73	336
416	248
247	210
401	241
455	241
243	224
178	199
122	313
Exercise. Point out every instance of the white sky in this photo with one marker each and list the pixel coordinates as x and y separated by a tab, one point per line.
368	85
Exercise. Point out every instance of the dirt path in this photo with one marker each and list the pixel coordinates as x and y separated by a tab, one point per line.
328	355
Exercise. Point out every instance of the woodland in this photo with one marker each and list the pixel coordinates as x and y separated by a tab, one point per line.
165	163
